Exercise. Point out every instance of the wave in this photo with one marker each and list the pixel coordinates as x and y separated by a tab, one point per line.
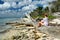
5	28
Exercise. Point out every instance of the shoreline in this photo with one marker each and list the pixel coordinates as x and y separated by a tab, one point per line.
24	32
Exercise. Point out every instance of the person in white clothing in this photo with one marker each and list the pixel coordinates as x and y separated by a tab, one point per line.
44	21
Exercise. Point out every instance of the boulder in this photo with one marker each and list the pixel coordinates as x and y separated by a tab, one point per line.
54	22
57	14
53	31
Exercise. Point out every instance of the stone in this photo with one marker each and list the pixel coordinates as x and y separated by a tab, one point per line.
54	22
52	31
56	14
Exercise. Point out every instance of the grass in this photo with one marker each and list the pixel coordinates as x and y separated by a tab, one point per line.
51	17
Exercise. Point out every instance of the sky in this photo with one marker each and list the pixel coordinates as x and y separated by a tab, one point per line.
18	8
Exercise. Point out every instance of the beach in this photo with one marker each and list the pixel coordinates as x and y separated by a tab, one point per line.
23	30
17	31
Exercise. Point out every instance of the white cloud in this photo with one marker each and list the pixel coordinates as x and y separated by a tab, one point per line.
4	6
30	0
28	6
11	0
25	8
50	0
43	2
44	6
1	5
32	6
13	4
22	3
35	2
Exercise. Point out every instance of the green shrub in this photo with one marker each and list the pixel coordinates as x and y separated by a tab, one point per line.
51	17
39	13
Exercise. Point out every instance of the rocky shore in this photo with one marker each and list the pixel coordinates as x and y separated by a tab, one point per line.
26	31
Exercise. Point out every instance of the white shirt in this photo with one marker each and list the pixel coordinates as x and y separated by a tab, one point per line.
45	20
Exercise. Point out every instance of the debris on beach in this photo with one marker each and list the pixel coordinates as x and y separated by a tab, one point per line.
26	32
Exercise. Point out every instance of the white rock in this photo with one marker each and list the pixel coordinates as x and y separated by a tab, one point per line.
54	21
57	14
26	19
56	39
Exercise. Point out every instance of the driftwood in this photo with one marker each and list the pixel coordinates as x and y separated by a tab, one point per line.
17	24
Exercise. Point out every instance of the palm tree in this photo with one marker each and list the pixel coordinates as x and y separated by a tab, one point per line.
36	12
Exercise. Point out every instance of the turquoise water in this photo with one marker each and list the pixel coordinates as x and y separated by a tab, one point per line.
4	27
5	20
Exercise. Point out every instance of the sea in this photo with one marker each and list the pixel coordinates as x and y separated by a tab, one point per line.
4	27
3	22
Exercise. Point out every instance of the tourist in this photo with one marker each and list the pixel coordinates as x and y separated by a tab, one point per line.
44	21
